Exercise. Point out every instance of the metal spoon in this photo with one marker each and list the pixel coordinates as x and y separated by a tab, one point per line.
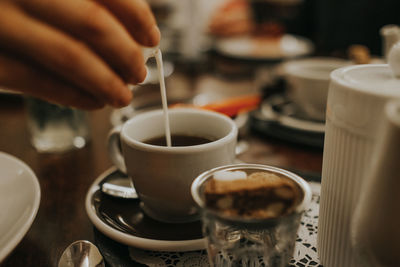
81	253
118	184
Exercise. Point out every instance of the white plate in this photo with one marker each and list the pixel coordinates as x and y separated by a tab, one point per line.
132	240
19	201
250	48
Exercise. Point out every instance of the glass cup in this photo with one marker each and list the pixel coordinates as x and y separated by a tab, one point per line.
244	241
56	129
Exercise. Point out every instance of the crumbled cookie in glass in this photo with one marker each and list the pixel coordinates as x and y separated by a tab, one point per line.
258	195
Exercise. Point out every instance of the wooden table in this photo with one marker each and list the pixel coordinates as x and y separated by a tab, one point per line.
65	178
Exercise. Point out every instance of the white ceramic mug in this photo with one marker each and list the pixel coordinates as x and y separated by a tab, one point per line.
308	83
162	175
355	113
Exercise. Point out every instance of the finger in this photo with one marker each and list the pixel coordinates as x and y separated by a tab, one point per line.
138	19
62	55
31	80
97	27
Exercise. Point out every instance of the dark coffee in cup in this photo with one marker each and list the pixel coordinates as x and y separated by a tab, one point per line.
162	175
179	140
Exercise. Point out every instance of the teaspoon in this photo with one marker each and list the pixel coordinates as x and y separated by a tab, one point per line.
81	253
118	184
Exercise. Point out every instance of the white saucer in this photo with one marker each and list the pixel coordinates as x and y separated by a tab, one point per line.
19	201
116	231
251	48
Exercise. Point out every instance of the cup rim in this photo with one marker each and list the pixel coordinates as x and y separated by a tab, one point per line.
199	180
296	68
232	134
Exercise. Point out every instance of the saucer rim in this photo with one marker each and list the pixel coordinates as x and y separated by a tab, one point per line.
291	122
20	229
132	240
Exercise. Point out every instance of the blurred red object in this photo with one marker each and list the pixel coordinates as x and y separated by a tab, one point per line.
232	18
237	17
230	107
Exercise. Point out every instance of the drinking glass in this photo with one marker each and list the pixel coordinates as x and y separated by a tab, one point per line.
237	241
54	128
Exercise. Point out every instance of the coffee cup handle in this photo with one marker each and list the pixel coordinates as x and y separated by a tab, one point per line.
115	149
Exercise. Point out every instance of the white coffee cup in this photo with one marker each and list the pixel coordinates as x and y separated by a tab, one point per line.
162	175
308	83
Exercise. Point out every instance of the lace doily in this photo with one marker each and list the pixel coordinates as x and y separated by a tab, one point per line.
305	252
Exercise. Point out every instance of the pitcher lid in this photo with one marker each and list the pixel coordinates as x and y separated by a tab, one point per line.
373	78
379	79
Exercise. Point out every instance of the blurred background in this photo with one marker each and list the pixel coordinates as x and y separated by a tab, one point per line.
216	51
190	26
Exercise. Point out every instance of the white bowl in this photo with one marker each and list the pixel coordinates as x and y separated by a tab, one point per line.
308	82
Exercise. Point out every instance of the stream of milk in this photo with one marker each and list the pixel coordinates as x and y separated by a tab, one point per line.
160	68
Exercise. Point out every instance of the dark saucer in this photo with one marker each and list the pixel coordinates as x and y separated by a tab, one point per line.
128	217
280	118
124	221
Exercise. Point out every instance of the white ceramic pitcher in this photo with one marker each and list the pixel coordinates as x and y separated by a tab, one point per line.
375	229
355	164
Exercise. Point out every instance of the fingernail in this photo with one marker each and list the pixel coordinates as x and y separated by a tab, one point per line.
138	75
154	36
124	99
142	75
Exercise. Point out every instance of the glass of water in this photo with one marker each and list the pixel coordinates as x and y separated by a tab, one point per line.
56	129
244	241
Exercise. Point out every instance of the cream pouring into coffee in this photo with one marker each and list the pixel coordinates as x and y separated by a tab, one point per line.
160	69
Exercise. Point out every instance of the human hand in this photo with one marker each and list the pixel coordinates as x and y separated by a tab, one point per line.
79	53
